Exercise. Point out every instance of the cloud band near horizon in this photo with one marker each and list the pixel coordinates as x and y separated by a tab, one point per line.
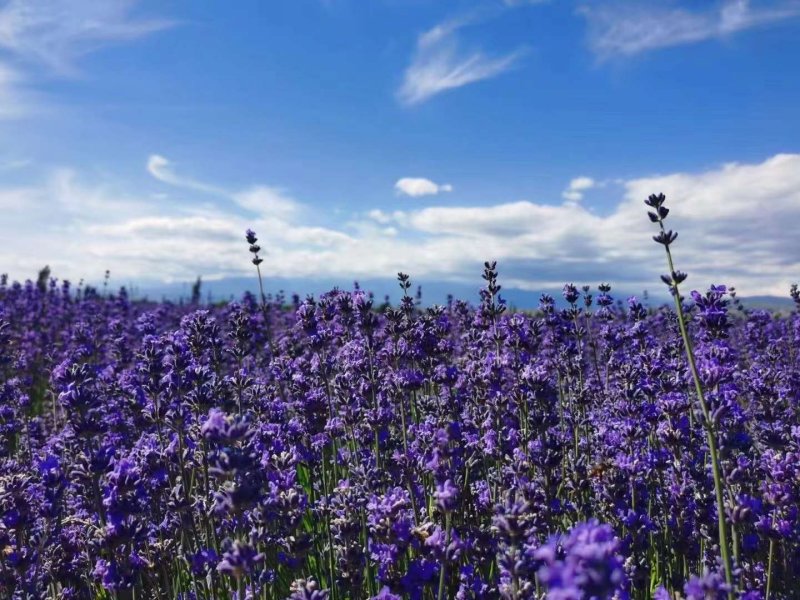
726	233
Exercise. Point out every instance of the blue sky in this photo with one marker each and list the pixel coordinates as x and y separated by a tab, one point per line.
363	137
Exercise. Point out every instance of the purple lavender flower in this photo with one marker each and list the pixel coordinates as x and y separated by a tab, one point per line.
303	589
709	586
446	495
395	451
239	560
585	563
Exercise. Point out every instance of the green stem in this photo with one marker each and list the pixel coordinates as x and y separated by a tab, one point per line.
709	428
769	563
442	573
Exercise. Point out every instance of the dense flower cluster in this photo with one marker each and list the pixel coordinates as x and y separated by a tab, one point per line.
332	449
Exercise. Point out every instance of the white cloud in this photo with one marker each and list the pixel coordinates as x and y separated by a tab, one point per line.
419	186
16	200
80	230
160	227
379	216
261	199
55	33
162	169
577	187
736	224
16	100
630	28
269	201
440	64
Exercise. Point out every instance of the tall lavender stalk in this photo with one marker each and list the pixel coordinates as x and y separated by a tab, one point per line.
250	235
673	279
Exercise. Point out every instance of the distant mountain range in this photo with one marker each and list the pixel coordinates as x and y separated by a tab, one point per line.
433	292
769	302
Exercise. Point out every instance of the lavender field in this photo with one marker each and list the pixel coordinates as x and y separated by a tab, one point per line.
334	448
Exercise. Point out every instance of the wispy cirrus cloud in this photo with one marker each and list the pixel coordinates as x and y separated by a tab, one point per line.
419	186
441	63
46	38
261	199
56	33
162	169
16	98
14	164
629	28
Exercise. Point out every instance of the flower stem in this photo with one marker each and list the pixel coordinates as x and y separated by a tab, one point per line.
442	572
708	425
